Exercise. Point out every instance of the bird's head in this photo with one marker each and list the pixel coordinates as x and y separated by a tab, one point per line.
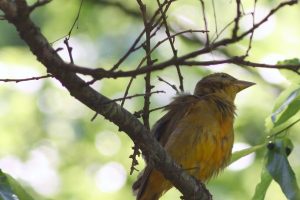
221	83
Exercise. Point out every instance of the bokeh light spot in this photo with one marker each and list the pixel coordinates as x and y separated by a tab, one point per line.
107	143
111	177
39	170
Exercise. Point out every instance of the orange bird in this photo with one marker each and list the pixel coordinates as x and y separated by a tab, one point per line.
197	132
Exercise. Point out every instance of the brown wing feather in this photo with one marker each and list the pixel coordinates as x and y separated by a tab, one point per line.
162	130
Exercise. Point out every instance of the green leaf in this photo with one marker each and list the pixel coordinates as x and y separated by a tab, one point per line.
284	101
291	110
293	61
286	109
291	76
262	187
242	153
284	95
279	168
10	189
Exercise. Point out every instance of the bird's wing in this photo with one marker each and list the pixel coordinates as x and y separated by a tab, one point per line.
162	130
204	136
176	110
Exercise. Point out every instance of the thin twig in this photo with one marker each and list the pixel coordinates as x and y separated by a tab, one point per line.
76	20
171	41
27	79
127	90
239	60
122	99
271	13
205	22
148	87
252	33
157	24
215	17
68	36
69	49
147	48
237	19
169	84
135	95
139	114
173	37
133	46
145	57
152	50
222	31
130	50
136	153
66	40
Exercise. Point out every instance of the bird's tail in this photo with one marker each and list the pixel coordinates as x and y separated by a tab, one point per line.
140	185
137	184
150	185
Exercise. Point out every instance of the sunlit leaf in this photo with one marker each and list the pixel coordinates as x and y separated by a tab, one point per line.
279	168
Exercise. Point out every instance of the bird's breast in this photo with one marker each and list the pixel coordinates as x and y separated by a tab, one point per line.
202	142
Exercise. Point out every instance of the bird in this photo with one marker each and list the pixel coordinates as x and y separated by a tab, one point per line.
197	132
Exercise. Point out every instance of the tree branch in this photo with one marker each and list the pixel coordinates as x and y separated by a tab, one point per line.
239	60
17	80
147	48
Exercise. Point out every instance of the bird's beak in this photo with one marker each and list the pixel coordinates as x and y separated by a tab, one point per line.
243	84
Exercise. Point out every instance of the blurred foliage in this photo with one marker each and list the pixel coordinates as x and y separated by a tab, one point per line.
48	142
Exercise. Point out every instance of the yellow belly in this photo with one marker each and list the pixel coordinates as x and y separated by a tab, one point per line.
202	149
